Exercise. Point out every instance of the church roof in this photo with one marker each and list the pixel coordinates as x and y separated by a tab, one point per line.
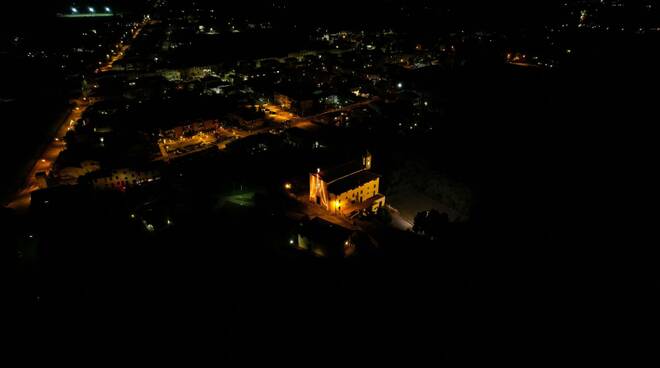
338	172
351	181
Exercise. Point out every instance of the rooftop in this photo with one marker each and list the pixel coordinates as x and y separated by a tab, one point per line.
352	181
338	172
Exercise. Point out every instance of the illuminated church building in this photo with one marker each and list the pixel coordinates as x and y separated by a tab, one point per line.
348	188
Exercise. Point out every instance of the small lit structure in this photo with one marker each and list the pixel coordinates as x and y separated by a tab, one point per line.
325	239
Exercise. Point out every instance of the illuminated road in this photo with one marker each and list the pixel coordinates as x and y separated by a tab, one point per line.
276	114
44	162
295	120
348	108
49	155
175	148
120	49
289	120
525	65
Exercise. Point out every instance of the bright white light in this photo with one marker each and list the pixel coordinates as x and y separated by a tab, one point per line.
74	10
91	10
400	85
107	9
291	241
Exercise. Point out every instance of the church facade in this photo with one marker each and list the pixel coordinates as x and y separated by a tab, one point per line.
347	189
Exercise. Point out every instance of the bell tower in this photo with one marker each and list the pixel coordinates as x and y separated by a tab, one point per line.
366	161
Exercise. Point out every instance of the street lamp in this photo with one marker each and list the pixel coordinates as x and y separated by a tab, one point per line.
91	10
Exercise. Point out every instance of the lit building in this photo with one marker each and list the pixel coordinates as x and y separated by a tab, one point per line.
121	179
347	189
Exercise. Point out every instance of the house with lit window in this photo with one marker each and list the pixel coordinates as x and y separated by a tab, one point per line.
347	189
302	99
122	179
